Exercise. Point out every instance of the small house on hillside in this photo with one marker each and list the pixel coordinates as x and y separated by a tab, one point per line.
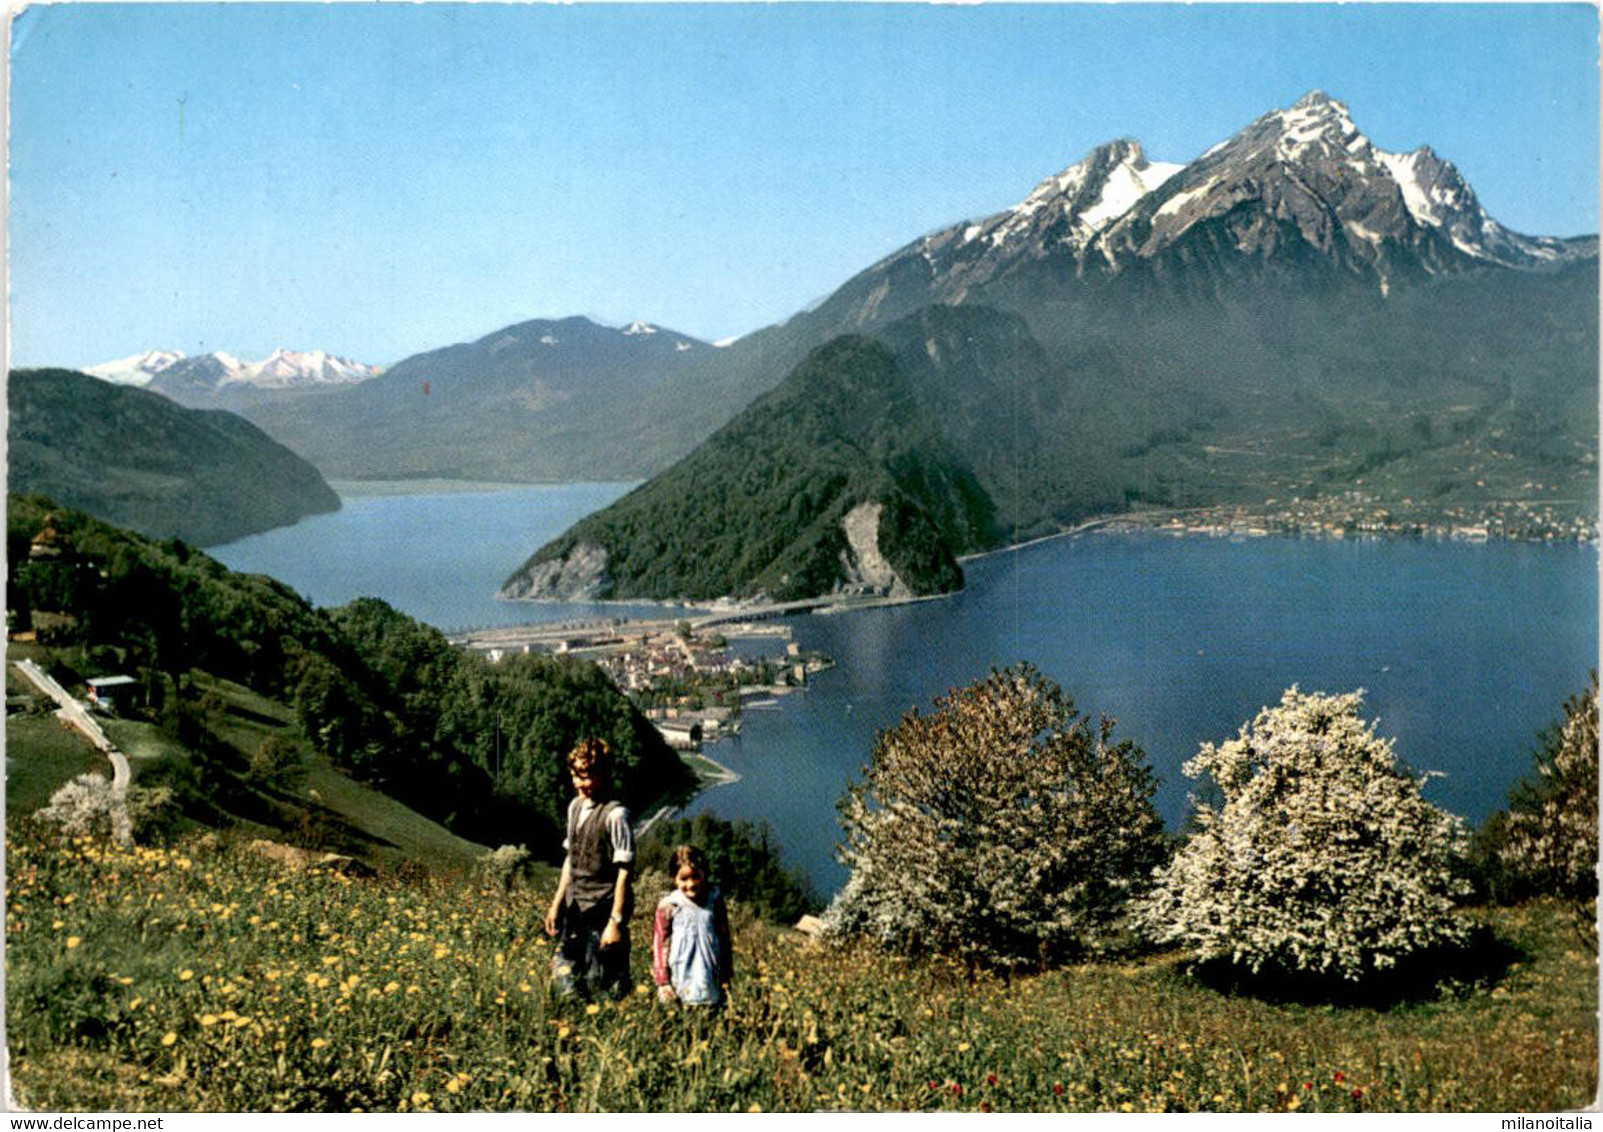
105	690
681	734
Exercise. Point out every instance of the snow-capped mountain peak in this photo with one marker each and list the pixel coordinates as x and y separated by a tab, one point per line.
1087	197
313	367
637	328
1317	116
167	371
135	370
1300	192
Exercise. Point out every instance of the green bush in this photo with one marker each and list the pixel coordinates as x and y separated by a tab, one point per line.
743	863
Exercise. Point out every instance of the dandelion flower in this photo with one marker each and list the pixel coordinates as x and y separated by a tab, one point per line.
185	975
208	1019
73	941
420	1097
963	1047
319	1043
169	1038
593	1008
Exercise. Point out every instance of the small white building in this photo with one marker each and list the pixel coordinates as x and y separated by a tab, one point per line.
105	690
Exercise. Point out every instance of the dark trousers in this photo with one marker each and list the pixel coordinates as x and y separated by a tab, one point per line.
581	965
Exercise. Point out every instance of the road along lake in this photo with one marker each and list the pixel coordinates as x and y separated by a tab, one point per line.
1466	650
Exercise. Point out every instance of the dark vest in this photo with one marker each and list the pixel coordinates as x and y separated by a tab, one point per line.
592	873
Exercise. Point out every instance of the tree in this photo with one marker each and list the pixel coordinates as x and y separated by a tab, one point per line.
1550	837
1004	828
1322	855
743	862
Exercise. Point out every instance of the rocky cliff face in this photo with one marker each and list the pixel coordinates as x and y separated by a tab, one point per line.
579	575
864	568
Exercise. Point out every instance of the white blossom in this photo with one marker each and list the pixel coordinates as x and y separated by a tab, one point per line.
1322	856
1551	838
1004	828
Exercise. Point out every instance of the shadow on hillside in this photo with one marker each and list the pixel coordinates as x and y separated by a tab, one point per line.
1482	962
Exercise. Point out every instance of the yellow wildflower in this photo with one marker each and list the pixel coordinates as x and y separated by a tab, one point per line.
319	1043
169	1038
72	942
593	1008
185	975
208	1019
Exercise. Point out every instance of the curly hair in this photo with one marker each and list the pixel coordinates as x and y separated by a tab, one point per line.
593	755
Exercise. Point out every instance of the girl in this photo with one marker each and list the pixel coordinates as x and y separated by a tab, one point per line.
692	956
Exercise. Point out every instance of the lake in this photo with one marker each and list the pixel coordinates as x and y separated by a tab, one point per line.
1466	651
438	555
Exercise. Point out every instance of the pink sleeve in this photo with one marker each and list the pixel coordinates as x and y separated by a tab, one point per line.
661	934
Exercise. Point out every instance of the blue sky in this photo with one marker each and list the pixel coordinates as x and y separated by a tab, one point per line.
380	179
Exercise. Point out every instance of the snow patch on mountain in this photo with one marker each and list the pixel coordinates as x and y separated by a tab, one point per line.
136	370
1127	184
283	369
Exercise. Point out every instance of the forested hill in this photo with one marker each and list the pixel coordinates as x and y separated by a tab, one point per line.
479	747
837	480
136	459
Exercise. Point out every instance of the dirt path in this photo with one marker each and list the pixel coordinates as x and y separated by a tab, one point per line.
73	713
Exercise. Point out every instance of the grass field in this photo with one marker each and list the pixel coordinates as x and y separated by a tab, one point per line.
206	978
42	753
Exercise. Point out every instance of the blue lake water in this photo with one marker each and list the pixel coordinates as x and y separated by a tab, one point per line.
438	556
1466	650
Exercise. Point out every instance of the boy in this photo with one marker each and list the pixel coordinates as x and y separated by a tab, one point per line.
593	900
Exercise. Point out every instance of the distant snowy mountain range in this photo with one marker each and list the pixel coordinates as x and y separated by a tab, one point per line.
167	371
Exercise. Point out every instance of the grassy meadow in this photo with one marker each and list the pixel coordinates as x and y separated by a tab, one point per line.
204	977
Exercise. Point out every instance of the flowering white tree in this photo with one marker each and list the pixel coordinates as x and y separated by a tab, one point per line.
89	804
1322	856
1551	834
1005	828
84	805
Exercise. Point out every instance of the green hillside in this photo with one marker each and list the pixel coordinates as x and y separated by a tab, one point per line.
250	689
138	460
759	507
